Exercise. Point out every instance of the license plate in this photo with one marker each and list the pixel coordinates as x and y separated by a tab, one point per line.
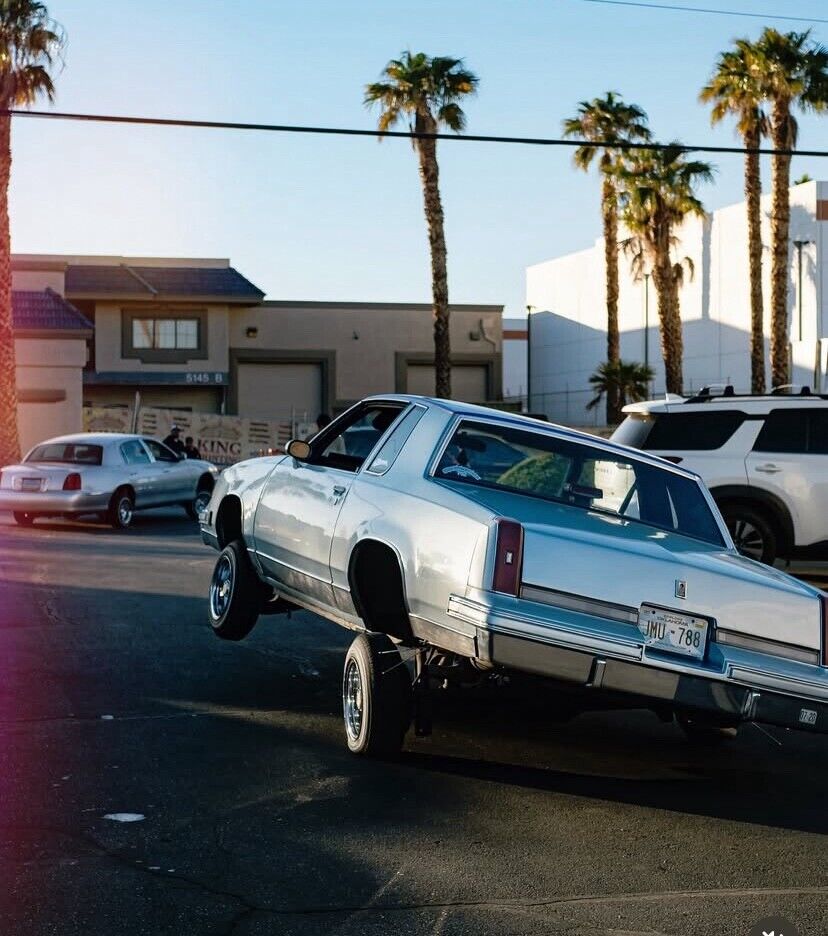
30	484
673	632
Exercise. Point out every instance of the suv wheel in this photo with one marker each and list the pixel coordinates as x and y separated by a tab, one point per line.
753	535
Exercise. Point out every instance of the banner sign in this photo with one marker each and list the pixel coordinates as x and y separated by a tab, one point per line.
222	440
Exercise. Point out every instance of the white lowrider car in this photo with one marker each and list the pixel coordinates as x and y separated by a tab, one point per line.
108	475
480	542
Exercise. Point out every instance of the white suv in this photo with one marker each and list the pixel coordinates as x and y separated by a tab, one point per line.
764	458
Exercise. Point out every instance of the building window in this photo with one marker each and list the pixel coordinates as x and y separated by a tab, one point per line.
165	334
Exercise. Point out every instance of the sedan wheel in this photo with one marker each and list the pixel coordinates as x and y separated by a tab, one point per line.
121	510
198	504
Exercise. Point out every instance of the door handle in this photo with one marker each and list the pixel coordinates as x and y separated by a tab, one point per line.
768	469
339	490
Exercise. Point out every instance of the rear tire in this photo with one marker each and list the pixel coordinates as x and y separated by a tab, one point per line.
753	535
121	510
235	592
23	519
376	697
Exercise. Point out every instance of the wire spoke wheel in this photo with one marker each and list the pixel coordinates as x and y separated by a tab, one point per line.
352	700
221	587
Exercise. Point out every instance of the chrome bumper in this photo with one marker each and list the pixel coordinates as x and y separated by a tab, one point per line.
54	503
735	684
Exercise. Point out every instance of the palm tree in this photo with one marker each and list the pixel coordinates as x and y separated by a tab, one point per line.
426	92
608	120
29	44
734	90
657	194
791	71
628	380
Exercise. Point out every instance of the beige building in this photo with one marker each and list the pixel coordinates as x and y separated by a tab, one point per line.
194	334
50	344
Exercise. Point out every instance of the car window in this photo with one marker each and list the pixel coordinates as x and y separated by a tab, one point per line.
134	453
160	452
818	432
784	431
577	475
73	453
689	432
392	446
347	444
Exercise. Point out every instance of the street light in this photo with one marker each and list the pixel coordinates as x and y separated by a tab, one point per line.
799	244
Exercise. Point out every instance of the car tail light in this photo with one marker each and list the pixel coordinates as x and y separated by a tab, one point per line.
72	482
508	562
825	630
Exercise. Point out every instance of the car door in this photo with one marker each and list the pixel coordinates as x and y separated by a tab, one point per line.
786	462
141	471
300	503
168	484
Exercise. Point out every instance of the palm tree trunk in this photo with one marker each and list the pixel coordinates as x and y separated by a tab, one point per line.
9	438
780	225
609	213
430	177
672	344
753	194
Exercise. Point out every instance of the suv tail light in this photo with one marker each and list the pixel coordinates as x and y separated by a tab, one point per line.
72	482
825	630
508	563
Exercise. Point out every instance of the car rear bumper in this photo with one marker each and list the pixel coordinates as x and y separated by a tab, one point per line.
53	503
733	685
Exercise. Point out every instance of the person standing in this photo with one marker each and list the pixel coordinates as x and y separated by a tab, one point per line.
173	441
190	449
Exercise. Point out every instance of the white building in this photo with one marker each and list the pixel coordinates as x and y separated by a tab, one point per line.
567	324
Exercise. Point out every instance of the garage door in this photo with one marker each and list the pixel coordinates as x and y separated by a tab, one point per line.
468	381
280	391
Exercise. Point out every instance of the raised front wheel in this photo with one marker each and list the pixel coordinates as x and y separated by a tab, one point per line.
233	606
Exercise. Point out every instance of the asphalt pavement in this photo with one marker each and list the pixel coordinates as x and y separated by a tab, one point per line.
155	780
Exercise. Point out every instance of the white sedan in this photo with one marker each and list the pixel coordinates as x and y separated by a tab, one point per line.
106	474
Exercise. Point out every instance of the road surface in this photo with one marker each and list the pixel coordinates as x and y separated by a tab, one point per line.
251	818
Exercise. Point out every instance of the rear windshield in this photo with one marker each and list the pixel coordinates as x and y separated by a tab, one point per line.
75	453
583	476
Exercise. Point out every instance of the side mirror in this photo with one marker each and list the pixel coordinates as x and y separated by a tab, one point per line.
298	449
181	456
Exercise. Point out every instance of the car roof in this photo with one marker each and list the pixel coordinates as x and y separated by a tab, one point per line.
91	438
673	403
519	421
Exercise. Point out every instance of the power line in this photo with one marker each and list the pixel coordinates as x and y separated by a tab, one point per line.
687	9
403	134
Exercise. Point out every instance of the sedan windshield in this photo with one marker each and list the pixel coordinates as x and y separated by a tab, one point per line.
578	475
74	453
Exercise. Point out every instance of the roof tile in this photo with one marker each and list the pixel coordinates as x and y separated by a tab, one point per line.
45	310
146	282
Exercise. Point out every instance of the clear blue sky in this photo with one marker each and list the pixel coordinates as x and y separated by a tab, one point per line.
336	218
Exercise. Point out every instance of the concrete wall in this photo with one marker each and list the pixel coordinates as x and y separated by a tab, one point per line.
50	387
366	338
569	315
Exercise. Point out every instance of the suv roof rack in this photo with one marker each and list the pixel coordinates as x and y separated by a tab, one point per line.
706	394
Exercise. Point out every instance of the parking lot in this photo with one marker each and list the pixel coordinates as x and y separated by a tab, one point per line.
252	818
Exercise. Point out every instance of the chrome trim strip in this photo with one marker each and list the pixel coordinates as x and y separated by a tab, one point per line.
729	638
286	565
572	602
570	638
786	684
